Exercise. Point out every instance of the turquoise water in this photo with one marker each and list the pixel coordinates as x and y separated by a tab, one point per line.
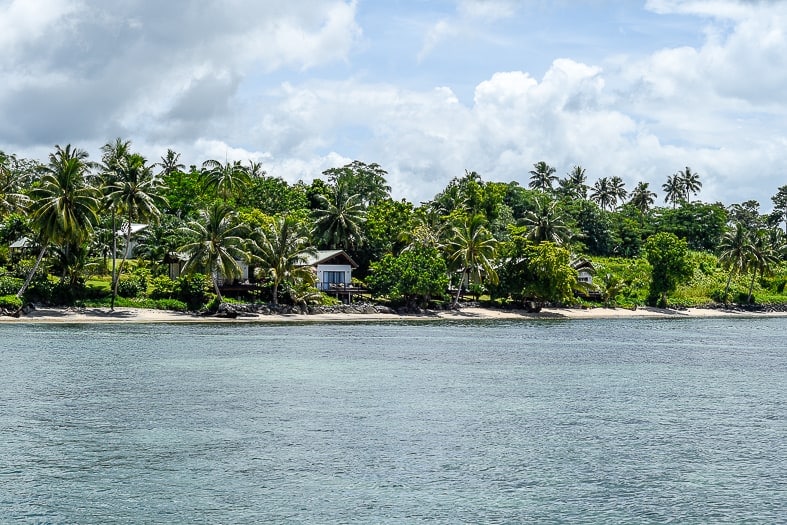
636	421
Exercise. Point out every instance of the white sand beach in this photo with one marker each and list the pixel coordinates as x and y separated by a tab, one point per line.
138	315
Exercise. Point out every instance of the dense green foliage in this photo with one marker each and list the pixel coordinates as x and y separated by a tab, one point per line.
511	242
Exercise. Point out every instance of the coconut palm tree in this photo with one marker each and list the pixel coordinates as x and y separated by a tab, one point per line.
283	248
764	257
542	177
642	198
546	223
339	220
674	191
225	180
472	250
619	192
216	245
735	251
170	163
64	205
690	182
603	193
575	186
12	179
113	154
134	195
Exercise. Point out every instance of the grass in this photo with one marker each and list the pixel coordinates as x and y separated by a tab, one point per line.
708	281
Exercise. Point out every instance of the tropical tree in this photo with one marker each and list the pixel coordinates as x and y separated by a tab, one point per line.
668	257
546	223
735	252
574	185
673	190
535	272
607	191
64	206
471	251
170	163
780	206
224	180
618	187
764	257
339	220
283	248
603	193
542	177
13	177
134	194
216	245
642	198
689	182
415	275
366	180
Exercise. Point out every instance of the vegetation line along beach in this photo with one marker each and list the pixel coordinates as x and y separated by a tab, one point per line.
113	238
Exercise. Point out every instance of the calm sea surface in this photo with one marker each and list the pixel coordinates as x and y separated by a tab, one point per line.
609	421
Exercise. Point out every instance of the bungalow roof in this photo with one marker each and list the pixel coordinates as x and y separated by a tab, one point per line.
328	256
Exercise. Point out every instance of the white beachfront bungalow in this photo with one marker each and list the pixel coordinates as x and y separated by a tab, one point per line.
334	269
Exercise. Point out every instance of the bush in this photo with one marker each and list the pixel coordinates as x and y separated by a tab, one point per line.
193	290
171	304
10	302
163	288
10	285
130	286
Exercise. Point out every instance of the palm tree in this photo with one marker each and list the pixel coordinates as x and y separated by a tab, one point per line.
113	155
134	195
225	180
12	179
339	221
284	248
216	245
575	184
255	170
690	182
642	198
472	249
603	193
619	192
542	177
170	163
674	191
764	257
735	252
64	206
546	223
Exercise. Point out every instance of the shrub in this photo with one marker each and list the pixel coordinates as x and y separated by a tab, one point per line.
10	285
163	288
193	290
130	286
10	302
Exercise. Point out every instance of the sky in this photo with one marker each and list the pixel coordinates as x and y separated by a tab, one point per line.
425	88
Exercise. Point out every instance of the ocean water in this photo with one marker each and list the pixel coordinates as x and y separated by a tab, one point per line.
603	421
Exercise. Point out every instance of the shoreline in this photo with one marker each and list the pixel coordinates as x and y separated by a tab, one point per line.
141	315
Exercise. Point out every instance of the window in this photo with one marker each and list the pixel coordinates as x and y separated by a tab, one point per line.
333	277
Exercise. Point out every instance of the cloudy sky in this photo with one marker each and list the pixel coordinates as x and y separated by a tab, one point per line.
426	88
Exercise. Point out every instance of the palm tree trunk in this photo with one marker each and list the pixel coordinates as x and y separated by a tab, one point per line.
459	288
727	288
23	289
215	279
114	255
275	293
120	268
751	285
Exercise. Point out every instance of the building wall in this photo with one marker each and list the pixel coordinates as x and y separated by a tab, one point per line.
346	269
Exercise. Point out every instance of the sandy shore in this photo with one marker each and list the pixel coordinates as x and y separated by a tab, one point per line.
137	315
